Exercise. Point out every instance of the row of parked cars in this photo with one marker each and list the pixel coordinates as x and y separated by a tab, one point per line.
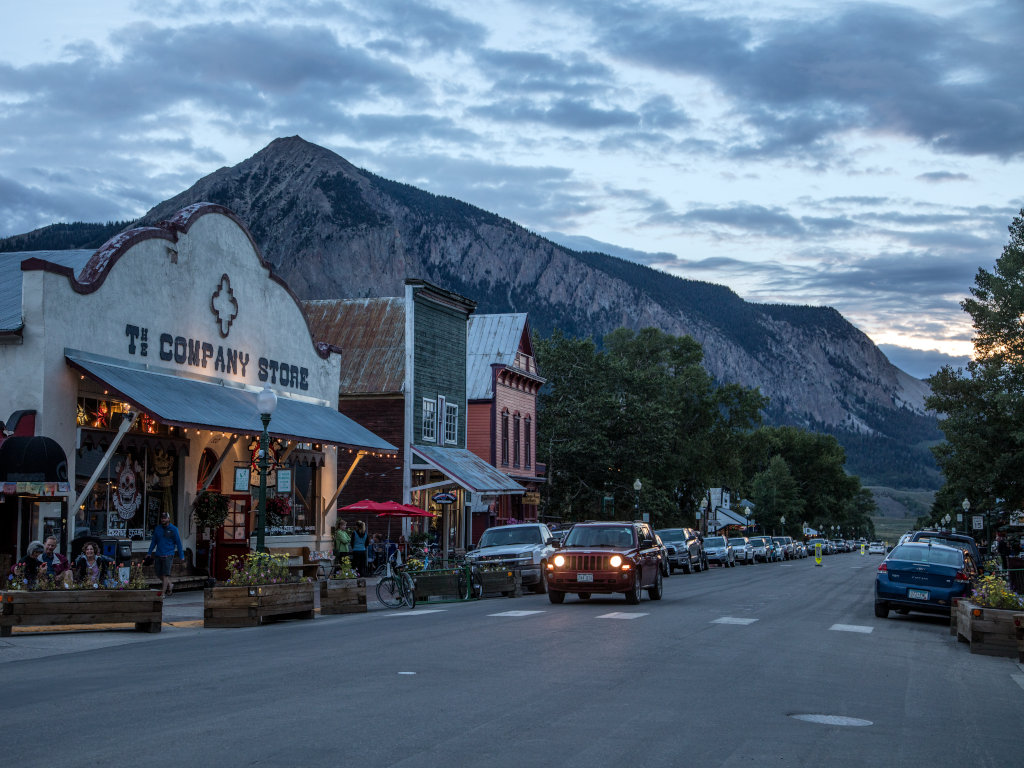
627	557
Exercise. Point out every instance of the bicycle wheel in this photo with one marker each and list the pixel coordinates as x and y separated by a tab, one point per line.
409	590
389	592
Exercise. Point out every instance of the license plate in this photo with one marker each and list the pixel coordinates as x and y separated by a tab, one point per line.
584	577
917	594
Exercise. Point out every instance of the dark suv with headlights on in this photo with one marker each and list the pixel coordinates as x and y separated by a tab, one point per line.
604	558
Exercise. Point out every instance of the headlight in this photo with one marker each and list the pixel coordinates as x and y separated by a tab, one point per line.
615	561
559	560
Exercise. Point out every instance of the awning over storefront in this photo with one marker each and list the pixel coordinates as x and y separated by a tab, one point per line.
725	516
209	404
467	470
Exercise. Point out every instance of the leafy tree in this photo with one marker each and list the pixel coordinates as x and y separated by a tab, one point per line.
777	495
984	405
643	408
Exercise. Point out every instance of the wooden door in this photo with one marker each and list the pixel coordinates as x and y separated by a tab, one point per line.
233	536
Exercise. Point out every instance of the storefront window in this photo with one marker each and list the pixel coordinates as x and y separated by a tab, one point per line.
134	487
291	511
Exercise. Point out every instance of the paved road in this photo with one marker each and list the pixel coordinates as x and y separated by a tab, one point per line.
715	674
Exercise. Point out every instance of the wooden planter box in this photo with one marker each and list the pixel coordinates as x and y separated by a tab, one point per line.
447	586
508	583
141	607
990	631
342	596
251	606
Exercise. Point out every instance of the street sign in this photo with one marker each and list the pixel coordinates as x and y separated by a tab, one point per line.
977	522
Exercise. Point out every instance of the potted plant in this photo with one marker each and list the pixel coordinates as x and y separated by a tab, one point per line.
279	509
122	598
987	619
259	587
344	591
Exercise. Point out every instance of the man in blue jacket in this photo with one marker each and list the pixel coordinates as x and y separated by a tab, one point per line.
166	542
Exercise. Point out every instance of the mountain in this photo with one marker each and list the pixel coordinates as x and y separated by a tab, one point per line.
333	230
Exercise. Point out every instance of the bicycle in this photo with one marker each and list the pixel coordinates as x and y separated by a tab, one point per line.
396	588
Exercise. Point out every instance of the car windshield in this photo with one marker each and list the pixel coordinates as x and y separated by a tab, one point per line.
779	541
758	542
714	541
671	534
503	537
734	542
922	553
600	536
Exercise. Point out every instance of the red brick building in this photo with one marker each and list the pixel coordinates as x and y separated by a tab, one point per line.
502	387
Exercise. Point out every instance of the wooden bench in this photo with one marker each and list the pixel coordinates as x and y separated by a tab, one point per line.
299	564
184	575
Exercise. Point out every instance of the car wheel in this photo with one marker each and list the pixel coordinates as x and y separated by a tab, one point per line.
555	596
541	586
665	570
688	568
881	610
636	591
655	592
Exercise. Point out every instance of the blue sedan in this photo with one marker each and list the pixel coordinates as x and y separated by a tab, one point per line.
922	577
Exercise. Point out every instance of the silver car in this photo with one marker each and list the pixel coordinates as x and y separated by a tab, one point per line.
742	551
719	550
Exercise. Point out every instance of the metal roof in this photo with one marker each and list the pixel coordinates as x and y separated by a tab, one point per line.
467	470
371	336
214	404
11	275
492	339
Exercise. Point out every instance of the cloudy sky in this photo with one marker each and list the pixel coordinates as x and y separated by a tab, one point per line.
866	156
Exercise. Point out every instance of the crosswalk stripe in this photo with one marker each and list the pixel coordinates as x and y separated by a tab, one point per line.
621	615
515	613
732	620
852	628
415	613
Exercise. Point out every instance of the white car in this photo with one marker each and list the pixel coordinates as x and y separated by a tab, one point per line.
876	548
742	551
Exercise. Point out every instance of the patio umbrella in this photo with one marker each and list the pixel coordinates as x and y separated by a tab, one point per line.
387	509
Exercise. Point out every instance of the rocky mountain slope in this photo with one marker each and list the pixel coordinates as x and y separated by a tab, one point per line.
333	230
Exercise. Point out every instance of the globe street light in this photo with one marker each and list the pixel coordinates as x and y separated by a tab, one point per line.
637	485
266	402
782	522
746	514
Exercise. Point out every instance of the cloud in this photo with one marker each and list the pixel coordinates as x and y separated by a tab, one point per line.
921	363
798	82
940	176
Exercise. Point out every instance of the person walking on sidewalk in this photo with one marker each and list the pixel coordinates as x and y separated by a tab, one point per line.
166	542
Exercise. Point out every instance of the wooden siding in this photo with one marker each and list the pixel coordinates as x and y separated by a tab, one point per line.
480	431
439	363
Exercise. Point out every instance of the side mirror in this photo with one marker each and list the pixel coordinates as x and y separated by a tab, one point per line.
550	542
647	543
555	543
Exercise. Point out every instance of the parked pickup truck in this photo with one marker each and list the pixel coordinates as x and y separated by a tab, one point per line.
526	546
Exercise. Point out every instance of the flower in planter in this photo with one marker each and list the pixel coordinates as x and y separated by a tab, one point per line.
279	509
345	570
993	592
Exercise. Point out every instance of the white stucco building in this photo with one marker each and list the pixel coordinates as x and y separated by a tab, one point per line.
143	360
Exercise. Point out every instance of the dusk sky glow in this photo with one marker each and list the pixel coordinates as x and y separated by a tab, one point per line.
865	156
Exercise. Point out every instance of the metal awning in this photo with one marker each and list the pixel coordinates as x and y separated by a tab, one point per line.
213	404
467	469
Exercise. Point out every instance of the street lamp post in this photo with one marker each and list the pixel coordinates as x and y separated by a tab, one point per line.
637	485
966	506
266	402
746	514
702	523
782	522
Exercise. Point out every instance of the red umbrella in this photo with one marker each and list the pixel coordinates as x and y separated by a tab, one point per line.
387	509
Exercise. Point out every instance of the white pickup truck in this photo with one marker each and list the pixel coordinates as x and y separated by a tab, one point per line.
525	546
